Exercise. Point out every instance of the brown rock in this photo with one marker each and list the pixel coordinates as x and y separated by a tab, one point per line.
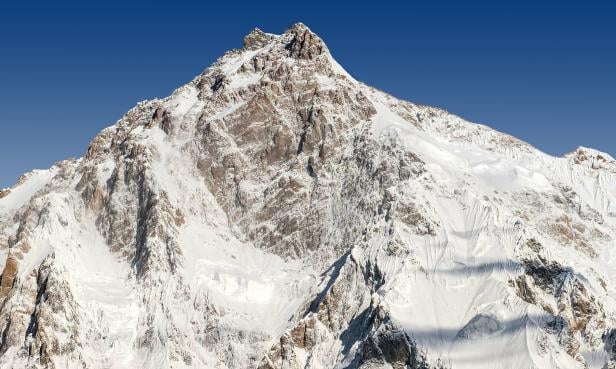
5	192
256	39
305	44
8	276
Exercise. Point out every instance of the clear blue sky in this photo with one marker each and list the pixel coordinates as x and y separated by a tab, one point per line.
543	72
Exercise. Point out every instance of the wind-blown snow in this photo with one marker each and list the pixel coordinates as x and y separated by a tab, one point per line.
21	193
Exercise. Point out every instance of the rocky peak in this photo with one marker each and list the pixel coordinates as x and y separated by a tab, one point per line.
305	44
256	39
592	158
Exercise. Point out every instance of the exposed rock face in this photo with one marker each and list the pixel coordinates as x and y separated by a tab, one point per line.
592	159
5	192
304	44
8	276
256	39
276	213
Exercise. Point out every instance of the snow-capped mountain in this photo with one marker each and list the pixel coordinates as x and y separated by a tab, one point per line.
276	213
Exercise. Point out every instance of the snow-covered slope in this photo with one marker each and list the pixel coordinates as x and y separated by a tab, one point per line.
276	213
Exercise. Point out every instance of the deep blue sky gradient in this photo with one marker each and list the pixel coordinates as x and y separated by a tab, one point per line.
542	71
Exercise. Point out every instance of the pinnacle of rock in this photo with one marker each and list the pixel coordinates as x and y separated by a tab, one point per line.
256	39
304	43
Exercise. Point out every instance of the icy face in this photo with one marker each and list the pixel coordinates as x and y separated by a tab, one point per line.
276	213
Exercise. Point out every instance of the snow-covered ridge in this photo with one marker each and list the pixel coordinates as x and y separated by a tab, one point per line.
274	212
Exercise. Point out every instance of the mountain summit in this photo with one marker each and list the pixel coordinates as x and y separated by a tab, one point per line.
276	213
